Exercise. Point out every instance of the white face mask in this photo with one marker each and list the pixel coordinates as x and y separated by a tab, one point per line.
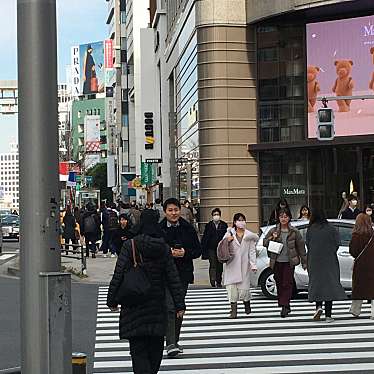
216	218
240	224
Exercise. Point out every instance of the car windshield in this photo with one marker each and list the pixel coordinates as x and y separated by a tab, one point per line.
10	220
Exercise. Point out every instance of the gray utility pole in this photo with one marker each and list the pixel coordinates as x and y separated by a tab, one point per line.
45	293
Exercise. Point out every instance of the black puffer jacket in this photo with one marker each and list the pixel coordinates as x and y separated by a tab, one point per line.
148	319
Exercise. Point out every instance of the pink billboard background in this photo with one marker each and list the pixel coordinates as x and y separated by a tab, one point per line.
340	59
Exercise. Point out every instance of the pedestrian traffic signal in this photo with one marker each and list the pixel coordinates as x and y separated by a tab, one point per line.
325	124
148	127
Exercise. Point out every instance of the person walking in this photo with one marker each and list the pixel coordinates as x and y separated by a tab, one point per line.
91	229
112	227
105	224
352	211
69	231
186	212
322	241
283	264
214	232
185	247
135	213
158	208
237	271
305	213
369	211
282	204
123	233
144	325
361	249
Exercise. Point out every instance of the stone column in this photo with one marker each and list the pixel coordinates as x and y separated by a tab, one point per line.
227	110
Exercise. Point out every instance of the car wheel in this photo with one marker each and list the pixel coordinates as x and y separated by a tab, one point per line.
267	284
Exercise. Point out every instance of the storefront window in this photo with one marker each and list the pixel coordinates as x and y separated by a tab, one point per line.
281	87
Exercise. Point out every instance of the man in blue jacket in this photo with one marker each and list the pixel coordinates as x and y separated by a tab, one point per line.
185	247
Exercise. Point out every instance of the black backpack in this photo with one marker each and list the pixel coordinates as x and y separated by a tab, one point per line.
90	224
113	223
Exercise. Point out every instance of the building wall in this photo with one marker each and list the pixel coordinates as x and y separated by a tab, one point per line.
227	110
258	10
9	178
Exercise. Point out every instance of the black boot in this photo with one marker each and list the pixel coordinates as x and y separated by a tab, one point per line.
247	307
213	283
283	312
288	309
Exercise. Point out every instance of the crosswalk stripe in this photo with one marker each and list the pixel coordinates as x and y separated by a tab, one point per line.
259	343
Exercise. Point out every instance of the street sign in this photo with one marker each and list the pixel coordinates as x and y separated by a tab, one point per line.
148	173
153	160
78	178
88	179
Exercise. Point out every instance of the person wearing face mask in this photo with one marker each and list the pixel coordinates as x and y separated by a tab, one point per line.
352	211
369	211
282	204
237	271
214	231
283	264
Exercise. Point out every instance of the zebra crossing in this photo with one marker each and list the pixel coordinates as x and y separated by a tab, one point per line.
259	343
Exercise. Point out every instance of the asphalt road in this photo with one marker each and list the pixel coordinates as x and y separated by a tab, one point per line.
84	299
10	245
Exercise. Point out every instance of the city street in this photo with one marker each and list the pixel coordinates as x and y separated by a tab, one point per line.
84	316
260	343
10	246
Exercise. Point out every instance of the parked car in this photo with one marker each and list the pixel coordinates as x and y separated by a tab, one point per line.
265	276
1	238
10	226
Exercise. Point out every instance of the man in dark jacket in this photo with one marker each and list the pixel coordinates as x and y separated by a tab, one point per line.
145	325
90	228
352	211
185	247
214	231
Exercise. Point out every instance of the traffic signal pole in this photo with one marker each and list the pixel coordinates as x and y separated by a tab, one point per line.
45	292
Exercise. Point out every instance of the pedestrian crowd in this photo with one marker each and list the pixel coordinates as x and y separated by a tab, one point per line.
156	247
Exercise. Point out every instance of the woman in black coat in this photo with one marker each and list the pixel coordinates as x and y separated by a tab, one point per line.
69	229
145	325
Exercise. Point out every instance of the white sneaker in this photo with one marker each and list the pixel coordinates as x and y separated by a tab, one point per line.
329	319
105	256
318	314
112	255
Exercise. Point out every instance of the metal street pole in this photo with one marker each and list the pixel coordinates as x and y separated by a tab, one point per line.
45	293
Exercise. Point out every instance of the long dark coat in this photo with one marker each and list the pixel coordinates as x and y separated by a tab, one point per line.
323	265
363	268
69	227
150	318
211	237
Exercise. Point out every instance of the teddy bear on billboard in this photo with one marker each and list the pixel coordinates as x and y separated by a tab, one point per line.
371	84
313	87
344	83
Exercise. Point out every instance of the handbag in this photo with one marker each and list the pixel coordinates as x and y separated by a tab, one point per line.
275	247
224	254
365	248
135	286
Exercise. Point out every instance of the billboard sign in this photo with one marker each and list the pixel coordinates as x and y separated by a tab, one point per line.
92	134
75	72
92	72
338	67
108	53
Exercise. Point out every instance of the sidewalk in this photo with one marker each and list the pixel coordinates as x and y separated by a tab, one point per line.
100	270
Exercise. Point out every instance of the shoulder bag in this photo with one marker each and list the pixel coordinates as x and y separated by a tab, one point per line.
136	285
365	248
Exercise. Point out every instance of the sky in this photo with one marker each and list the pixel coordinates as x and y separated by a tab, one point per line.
78	22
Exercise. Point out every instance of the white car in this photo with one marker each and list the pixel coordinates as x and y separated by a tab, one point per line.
265	276
10	226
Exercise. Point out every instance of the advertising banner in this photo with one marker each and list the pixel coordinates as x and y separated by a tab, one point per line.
108	54
75	72
92	134
340	62
91	160
92	68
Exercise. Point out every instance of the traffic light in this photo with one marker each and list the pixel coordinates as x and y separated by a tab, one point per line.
148	127
325	124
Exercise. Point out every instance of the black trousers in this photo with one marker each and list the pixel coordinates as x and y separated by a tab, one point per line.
146	354
215	267
174	324
328	307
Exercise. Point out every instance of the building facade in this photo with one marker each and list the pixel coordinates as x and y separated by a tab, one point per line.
9	178
235	104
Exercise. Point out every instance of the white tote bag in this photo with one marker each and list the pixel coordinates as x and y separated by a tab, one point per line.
275	247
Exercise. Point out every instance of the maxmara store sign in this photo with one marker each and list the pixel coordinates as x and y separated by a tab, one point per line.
292	191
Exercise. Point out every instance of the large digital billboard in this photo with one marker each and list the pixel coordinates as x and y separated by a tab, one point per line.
340	62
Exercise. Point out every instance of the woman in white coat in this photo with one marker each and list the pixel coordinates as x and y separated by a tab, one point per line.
236	272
